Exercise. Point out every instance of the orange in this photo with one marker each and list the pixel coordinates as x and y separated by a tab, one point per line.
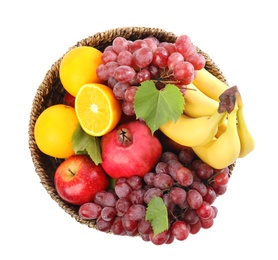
97	109
78	67
54	129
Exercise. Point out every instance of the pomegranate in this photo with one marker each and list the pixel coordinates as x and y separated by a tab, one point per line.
130	149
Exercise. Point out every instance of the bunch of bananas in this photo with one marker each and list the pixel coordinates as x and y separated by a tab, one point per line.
217	137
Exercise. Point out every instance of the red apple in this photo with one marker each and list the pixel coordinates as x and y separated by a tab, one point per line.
69	99
78	179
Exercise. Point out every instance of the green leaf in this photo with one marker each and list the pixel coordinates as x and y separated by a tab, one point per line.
85	143
157	214
158	107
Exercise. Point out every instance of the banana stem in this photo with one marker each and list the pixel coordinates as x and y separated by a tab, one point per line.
228	100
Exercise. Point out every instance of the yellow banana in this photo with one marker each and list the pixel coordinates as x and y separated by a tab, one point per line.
197	103
221	128
190	131
246	139
223	151
209	84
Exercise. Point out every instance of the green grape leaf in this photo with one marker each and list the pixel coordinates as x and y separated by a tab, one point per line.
157	107
84	143
157	215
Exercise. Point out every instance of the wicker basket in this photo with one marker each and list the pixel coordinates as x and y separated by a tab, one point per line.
51	92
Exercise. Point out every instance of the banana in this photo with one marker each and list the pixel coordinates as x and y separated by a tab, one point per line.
223	151
209	84
246	139
190	131
221	128
197	103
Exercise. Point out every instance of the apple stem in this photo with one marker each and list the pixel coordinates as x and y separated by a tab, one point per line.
71	171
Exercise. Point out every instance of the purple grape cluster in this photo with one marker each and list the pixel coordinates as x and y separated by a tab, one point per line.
126	64
187	186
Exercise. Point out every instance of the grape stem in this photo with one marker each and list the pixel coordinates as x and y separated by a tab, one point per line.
211	179
166	81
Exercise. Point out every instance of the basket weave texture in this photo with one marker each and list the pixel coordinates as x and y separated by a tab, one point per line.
51	92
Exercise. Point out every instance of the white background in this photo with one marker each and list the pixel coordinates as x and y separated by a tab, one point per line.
240	36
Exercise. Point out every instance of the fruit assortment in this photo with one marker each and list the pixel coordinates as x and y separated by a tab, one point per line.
147	137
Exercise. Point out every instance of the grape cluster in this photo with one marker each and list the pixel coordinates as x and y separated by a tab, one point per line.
126	64
187	186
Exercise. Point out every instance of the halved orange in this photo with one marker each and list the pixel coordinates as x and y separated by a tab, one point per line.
97	109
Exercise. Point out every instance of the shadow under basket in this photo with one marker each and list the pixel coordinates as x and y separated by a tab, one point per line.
51	92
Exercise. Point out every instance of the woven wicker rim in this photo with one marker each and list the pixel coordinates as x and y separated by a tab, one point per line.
50	92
